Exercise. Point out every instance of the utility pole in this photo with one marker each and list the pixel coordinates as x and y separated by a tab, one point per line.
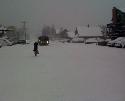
24	28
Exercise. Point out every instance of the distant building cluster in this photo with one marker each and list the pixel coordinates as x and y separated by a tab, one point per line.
112	30
13	33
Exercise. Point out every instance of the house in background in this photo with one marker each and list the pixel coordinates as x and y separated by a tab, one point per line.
12	33
116	28
85	33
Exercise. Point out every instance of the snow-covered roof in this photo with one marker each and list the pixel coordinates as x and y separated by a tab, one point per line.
122	9
87	31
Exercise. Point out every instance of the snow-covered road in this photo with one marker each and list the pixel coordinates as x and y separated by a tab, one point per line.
62	72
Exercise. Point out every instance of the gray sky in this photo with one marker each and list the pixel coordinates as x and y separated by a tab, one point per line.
58	12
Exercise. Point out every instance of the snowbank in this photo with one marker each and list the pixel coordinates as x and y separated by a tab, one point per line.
5	42
77	40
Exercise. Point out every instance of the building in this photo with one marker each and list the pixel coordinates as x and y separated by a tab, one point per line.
117	27
85	33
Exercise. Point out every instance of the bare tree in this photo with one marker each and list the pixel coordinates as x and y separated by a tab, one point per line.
49	31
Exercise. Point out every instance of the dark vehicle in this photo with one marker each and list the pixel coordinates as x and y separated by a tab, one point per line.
43	40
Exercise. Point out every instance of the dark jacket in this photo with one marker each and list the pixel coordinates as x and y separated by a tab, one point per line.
35	46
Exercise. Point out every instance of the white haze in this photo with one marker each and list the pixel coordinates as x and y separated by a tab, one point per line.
66	13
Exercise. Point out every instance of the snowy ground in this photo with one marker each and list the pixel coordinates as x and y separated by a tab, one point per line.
62	72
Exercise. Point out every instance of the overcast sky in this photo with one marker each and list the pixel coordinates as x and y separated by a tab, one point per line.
58	12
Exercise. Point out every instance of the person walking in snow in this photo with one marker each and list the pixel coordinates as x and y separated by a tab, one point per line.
36	48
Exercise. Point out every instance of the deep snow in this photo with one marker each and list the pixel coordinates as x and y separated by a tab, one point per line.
62	72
